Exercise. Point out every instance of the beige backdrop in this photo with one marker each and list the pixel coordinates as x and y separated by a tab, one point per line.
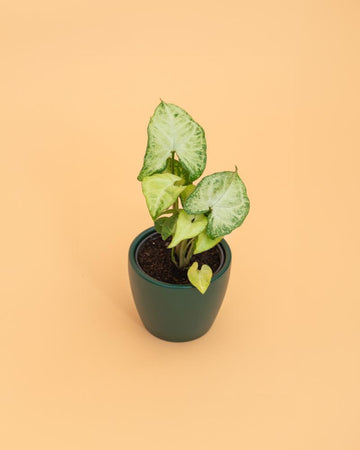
275	84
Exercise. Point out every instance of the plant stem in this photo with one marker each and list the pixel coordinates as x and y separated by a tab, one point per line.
173	258
184	252
189	251
188	244
173	163
176	203
182	248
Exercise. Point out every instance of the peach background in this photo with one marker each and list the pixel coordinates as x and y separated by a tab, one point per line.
276	87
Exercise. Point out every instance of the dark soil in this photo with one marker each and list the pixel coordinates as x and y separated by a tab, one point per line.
155	260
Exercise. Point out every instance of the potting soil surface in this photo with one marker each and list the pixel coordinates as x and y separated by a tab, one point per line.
155	259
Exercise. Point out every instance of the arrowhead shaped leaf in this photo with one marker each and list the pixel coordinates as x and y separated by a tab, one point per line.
161	192
200	278
187	226
204	242
223	196
171	129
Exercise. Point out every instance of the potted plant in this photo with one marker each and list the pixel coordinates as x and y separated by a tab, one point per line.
179	269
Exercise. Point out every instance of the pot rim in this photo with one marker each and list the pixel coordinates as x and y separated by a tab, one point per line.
144	234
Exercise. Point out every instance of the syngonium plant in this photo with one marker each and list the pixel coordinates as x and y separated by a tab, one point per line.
196	217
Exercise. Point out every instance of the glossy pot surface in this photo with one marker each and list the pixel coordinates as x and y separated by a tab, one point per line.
176	312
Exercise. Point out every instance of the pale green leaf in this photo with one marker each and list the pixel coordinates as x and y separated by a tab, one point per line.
166	226
223	196
187	226
200	278
171	129
204	242
160	192
186	192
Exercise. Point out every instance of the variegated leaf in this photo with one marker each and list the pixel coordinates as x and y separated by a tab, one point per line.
223	196
171	129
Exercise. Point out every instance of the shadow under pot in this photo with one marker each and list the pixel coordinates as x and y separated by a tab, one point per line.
176	312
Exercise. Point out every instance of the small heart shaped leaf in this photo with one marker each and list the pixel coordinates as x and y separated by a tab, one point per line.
200	278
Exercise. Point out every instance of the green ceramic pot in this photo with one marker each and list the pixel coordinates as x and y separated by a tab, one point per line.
175	312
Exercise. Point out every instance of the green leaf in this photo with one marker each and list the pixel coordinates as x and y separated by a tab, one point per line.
186	192
200	278
223	196
166	226
178	170
204	242
187	226
171	129
160	192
